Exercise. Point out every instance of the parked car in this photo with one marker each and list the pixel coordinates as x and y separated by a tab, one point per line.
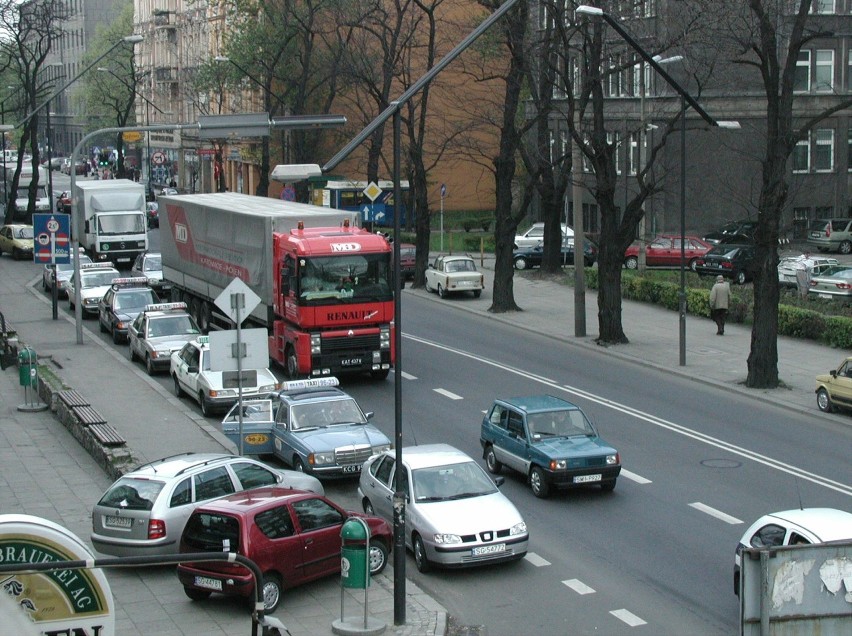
17	240
664	250
455	517
548	440
152	213
529	257
789	266
831	235
312	426
63	202
834	389
453	275
744	227
535	235
192	375
120	305
64	272
159	331
834	282
144	512
731	260
56	162
407	256
793	527
293	537
150	265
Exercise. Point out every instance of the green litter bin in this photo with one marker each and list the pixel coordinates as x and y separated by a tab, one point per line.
28	367
355	537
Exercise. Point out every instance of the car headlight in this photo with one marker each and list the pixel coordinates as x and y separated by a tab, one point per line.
447	539
321	459
381	449
613	459
222	393
90	301
518	528
558	464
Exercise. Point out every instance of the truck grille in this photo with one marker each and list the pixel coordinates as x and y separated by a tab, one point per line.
368	342
352	454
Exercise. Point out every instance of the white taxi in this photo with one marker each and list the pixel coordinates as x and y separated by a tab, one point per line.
214	390
159	331
95	281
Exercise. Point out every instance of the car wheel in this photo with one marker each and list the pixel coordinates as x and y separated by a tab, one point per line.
741	278
271	592
477	293
441	292
420	559
845	247
491	461
608	486
823	401
521	263
116	337
196	595
149	365
538	483
102	326
205	406
428	288
298	465
631	262
693	264
131	353
367	505
178	390
378	557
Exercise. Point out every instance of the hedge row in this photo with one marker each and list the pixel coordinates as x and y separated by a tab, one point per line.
834	331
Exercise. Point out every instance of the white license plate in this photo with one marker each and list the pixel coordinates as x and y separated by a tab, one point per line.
208	583
815	234
118	522
828	296
488	549
582	479
353	468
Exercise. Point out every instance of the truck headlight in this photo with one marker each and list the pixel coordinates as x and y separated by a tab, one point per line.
384	338
518	528
316	344
321	459
447	539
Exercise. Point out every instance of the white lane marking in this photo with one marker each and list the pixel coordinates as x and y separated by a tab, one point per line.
536	560
628	617
448	394
634	477
775	464
715	513
408	376
578	586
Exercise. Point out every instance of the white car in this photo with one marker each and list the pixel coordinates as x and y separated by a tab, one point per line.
150	265
535	235
793	527
811	265
455	516
95	281
64	273
454	274
159	331
190	371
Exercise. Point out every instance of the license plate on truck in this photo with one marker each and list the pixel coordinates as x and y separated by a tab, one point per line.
208	583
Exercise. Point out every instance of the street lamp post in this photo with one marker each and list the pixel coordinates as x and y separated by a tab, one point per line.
685	98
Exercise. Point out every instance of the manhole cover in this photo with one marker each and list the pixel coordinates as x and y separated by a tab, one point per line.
721	463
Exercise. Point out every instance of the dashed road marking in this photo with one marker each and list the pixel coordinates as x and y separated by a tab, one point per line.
628	617
715	513
634	477
578	586
408	376
448	394
536	560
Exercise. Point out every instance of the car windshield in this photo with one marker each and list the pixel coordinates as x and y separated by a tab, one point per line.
727	251
132	494
328	413
462	265
153	264
454	481
564	423
23	233
134	300
99	279
172	326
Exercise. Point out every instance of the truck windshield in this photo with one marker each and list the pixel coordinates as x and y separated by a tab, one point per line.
130	223
354	278
24	192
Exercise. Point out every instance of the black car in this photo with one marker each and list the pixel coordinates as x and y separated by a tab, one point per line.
743	231
124	300
731	260
527	257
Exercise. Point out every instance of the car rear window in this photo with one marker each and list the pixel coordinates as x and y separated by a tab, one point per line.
212	532
132	494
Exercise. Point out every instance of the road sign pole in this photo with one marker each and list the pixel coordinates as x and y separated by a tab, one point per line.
238	301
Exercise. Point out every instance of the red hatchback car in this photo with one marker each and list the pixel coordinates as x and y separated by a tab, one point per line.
292	535
664	250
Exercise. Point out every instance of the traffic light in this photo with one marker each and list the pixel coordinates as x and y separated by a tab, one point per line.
103	159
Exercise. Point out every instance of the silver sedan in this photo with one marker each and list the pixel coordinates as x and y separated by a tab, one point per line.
455	515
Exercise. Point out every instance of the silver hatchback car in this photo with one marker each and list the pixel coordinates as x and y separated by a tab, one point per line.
145	511
455	515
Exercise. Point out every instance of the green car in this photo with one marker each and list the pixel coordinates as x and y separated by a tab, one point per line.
549	440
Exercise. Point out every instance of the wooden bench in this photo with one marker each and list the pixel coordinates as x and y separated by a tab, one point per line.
87	415
72	398
107	435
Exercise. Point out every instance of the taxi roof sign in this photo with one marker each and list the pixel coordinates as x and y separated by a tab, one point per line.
95	266
203	340
129	282
294	385
165	306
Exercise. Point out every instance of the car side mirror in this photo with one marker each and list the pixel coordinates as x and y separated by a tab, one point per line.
833	373
499	481
369	415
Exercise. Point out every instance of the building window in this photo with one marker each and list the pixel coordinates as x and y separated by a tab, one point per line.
587	165
614	140
824	150
802	79
614	79
824	212
557	66
801	214
802	155
822	6
633	160
563	144
824	72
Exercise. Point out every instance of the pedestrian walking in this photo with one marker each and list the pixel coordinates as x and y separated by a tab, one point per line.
720	298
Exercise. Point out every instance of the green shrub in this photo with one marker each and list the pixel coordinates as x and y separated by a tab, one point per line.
838	332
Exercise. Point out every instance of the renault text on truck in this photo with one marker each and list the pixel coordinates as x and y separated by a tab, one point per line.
324	284
112	215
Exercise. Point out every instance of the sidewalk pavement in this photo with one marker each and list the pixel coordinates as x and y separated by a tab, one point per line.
44	472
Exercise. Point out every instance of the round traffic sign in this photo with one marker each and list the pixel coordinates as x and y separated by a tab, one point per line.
52	225
158	158
43	238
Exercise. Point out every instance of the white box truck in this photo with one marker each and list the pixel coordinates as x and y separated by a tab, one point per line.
109	218
22	196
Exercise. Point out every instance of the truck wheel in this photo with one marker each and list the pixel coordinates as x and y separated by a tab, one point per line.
292	363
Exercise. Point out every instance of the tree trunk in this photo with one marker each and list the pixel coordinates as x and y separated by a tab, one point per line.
610	258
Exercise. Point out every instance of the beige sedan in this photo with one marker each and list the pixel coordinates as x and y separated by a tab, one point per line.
453	275
835	388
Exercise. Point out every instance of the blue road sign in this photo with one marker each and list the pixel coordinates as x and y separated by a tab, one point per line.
52	242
